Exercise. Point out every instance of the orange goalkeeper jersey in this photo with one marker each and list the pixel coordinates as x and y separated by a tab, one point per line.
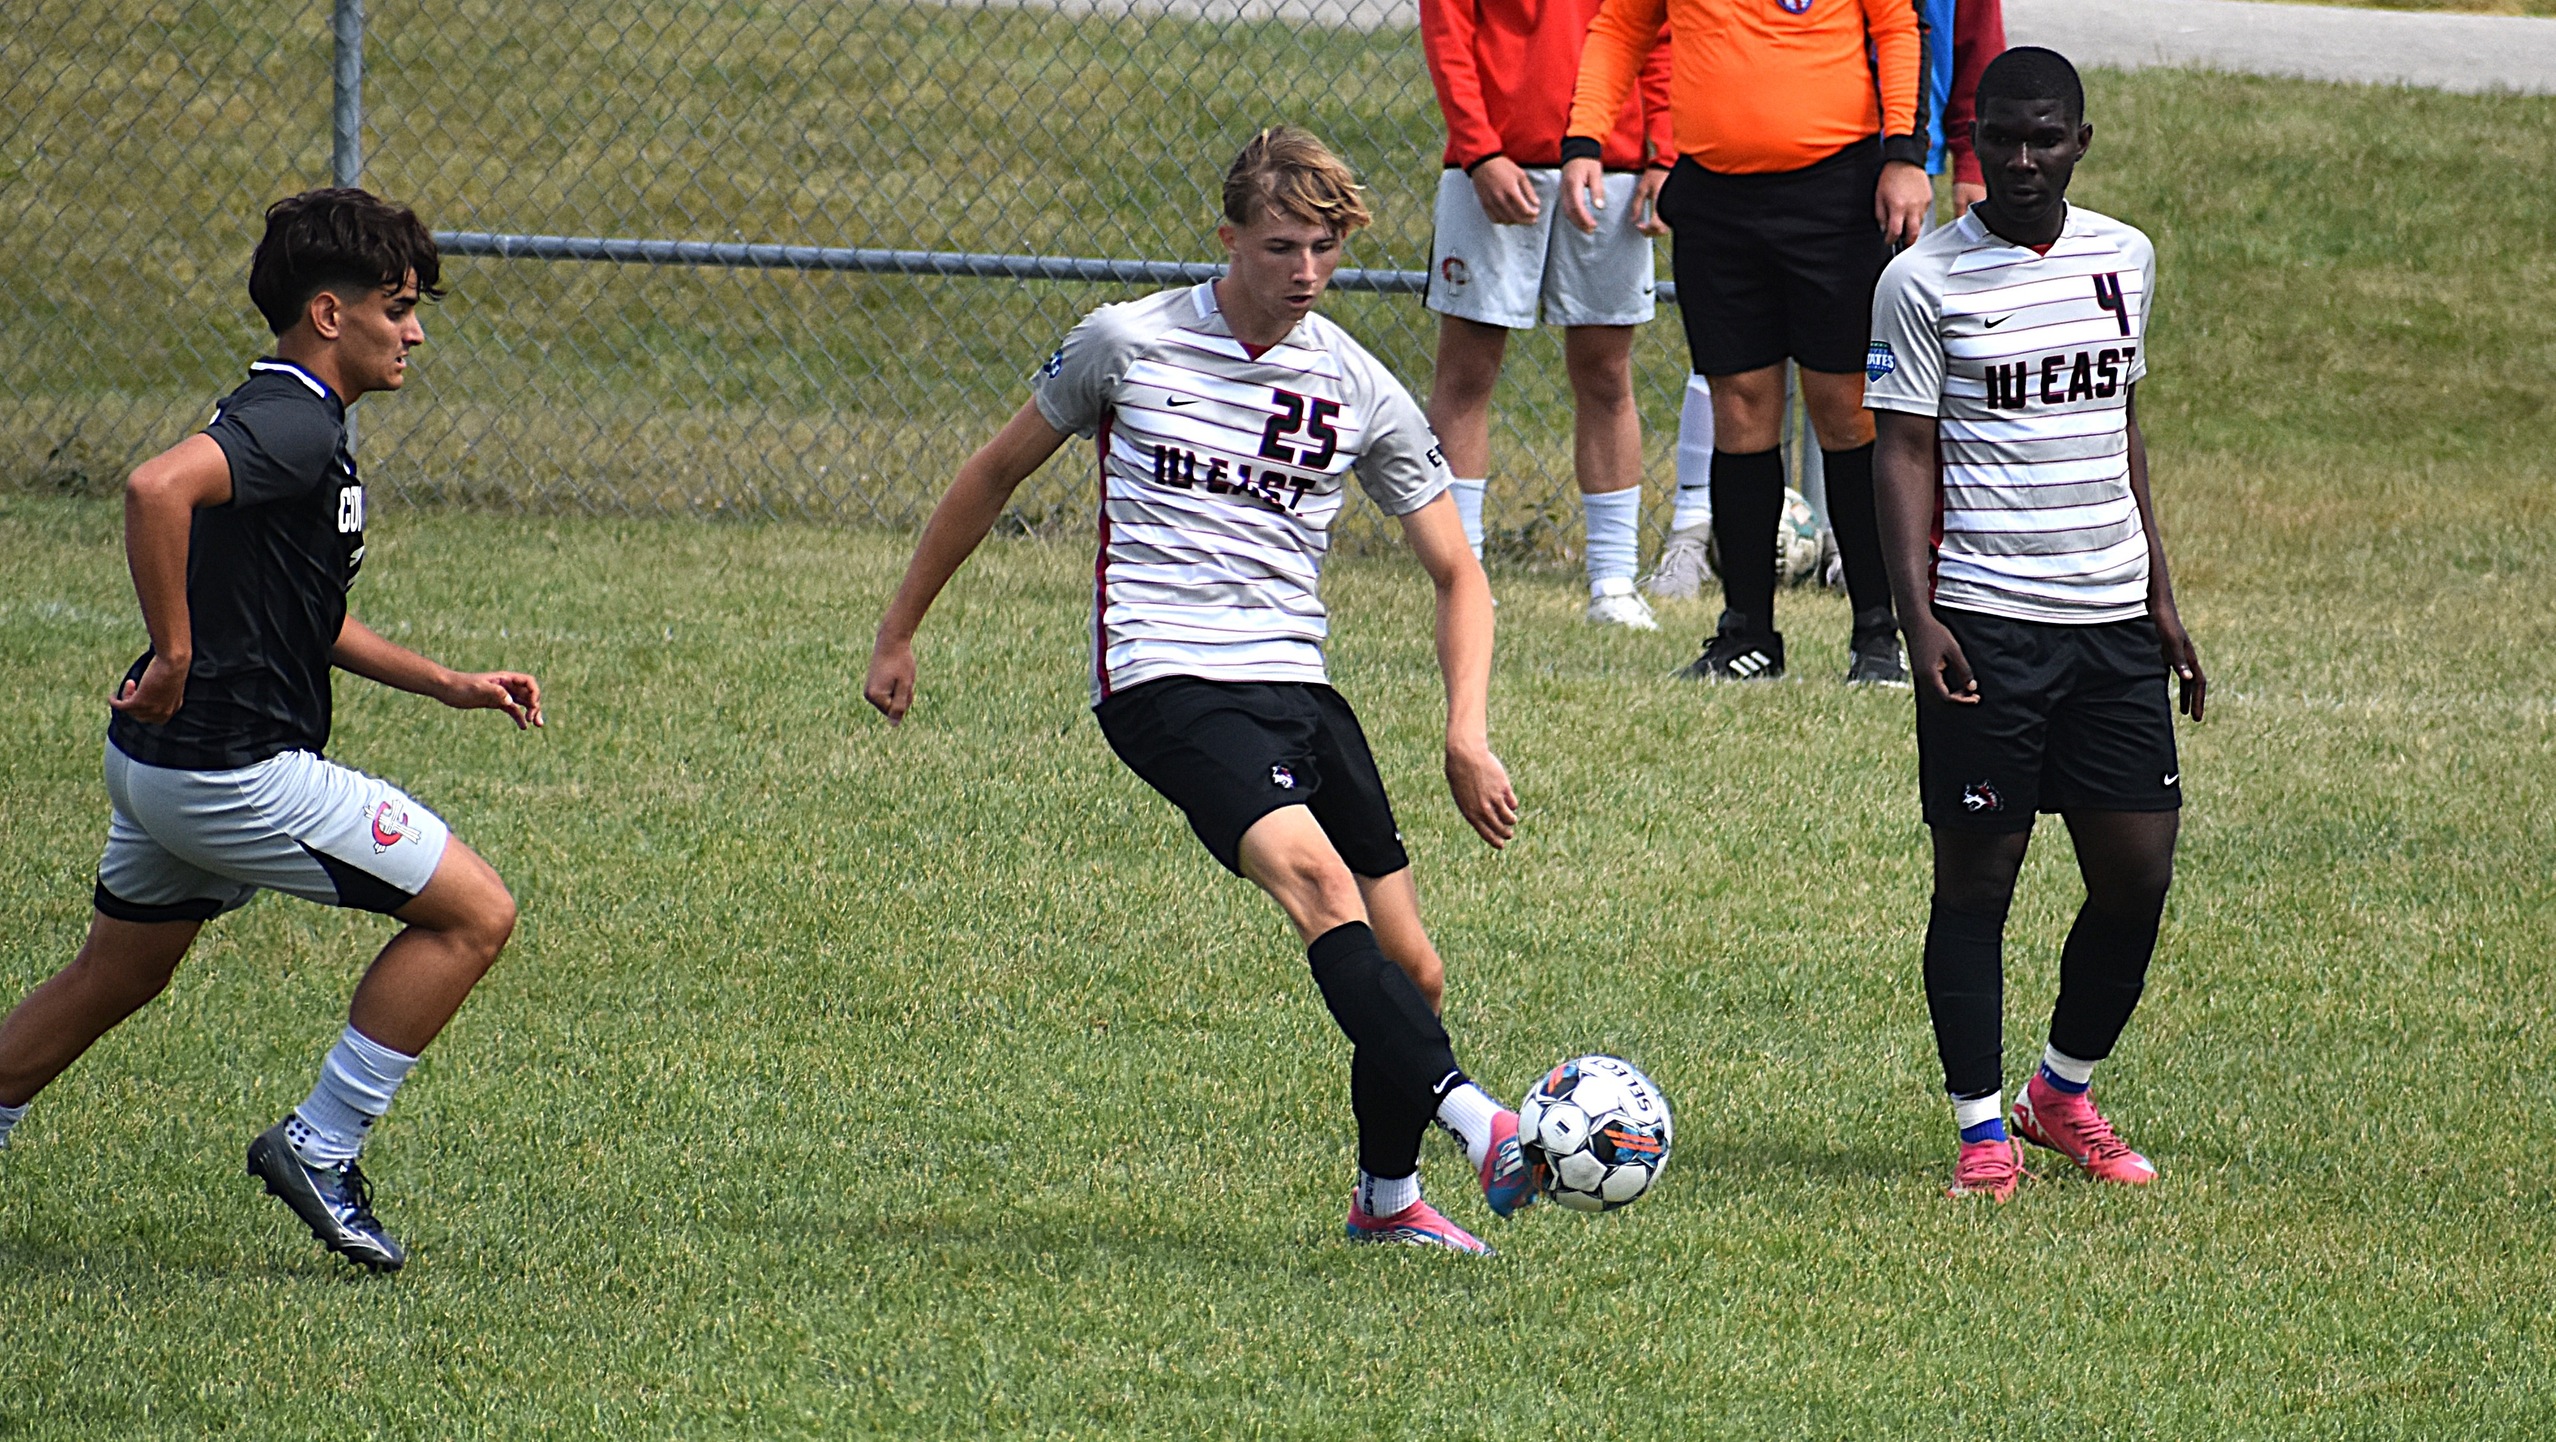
1757	86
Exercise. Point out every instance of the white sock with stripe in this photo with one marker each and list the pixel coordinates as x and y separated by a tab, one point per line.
1614	525
1384	1196
357	1080
1468	1111
2065	1072
1468	497
10	1117
1981	1119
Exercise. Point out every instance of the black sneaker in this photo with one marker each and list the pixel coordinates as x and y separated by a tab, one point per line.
1877	659
334	1202
1738	652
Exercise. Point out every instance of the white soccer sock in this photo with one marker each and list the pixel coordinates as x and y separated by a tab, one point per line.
1468	496
1614	524
2079	1074
357	1080
1384	1196
1694	458
1978	1117
10	1117
1468	1111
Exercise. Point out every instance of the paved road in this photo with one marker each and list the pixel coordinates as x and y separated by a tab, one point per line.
2319	42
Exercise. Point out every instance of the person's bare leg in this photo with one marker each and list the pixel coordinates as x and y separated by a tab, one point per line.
456	927
1468	368
119	969
1748	410
1606	428
1393	910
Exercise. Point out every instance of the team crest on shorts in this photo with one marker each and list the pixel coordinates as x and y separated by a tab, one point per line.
1981	796
390	827
1282	778
1455	270
1879	360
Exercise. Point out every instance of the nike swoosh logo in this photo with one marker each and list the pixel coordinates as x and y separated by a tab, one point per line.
1179	400
2001	320
2173	777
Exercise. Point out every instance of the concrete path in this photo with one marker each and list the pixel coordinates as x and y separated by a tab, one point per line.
2316	42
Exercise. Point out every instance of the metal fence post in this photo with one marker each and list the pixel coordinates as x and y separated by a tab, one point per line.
346	158
346	151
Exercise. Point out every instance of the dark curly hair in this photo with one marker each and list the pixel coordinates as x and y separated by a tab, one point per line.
337	239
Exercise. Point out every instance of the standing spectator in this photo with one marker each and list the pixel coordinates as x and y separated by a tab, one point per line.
1952	88
1503	71
1801	139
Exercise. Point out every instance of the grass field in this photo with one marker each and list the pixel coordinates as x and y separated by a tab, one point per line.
931	1082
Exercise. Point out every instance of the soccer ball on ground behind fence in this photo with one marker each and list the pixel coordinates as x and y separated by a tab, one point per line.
1598	1129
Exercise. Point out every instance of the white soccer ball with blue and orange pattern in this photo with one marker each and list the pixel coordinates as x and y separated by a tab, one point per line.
1599	1131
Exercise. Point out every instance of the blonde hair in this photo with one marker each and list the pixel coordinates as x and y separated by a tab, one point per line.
1286	170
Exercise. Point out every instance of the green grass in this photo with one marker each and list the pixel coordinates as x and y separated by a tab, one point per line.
932	1082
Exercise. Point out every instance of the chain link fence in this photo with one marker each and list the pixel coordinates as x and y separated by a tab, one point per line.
141	139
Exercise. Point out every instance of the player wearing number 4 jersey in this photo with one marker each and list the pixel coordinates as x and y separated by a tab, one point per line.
243	541
1229	419
2031	582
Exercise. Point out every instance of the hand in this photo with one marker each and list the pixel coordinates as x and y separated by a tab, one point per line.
1482	791
1967	193
890	684
1507	196
1937	657
2183	659
157	696
1646	203
512	692
1583	193
1902	201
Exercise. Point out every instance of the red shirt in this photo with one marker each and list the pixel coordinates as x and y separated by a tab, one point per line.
1979	36
1504	71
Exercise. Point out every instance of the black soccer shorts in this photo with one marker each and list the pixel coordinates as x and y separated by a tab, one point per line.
2069	718
1228	753
1777	265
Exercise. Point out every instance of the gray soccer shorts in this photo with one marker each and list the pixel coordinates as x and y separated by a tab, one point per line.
190	845
1504	274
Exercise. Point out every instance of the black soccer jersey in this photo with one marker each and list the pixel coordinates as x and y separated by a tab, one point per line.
266	579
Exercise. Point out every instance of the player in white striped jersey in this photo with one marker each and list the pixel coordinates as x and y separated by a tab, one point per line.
2031	583
1229	419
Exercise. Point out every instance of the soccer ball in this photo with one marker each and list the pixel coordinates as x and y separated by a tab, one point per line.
1800	545
1599	1130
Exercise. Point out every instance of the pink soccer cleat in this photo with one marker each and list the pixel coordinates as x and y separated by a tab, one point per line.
1987	1169
1510	1183
1417	1225
2069	1125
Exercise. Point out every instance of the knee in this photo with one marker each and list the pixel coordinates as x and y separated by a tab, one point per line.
487	926
1603	383
2135	896
1429	975
1317	889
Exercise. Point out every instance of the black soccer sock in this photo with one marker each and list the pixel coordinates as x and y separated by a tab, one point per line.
1384	1015
1748	501
1965	994
2102	971
1857	524
1391	1121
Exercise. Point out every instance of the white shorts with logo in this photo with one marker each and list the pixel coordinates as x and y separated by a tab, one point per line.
1498	274
190	845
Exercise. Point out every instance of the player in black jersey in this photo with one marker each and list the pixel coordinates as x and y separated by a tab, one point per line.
243	540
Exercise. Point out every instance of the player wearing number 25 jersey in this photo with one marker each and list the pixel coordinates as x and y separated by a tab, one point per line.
2028	573
1230	419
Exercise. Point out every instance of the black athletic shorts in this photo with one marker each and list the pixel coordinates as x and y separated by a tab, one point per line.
1777	265
2070	718
1228	753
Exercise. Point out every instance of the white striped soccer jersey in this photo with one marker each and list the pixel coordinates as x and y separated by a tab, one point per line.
1221	473
2026	362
